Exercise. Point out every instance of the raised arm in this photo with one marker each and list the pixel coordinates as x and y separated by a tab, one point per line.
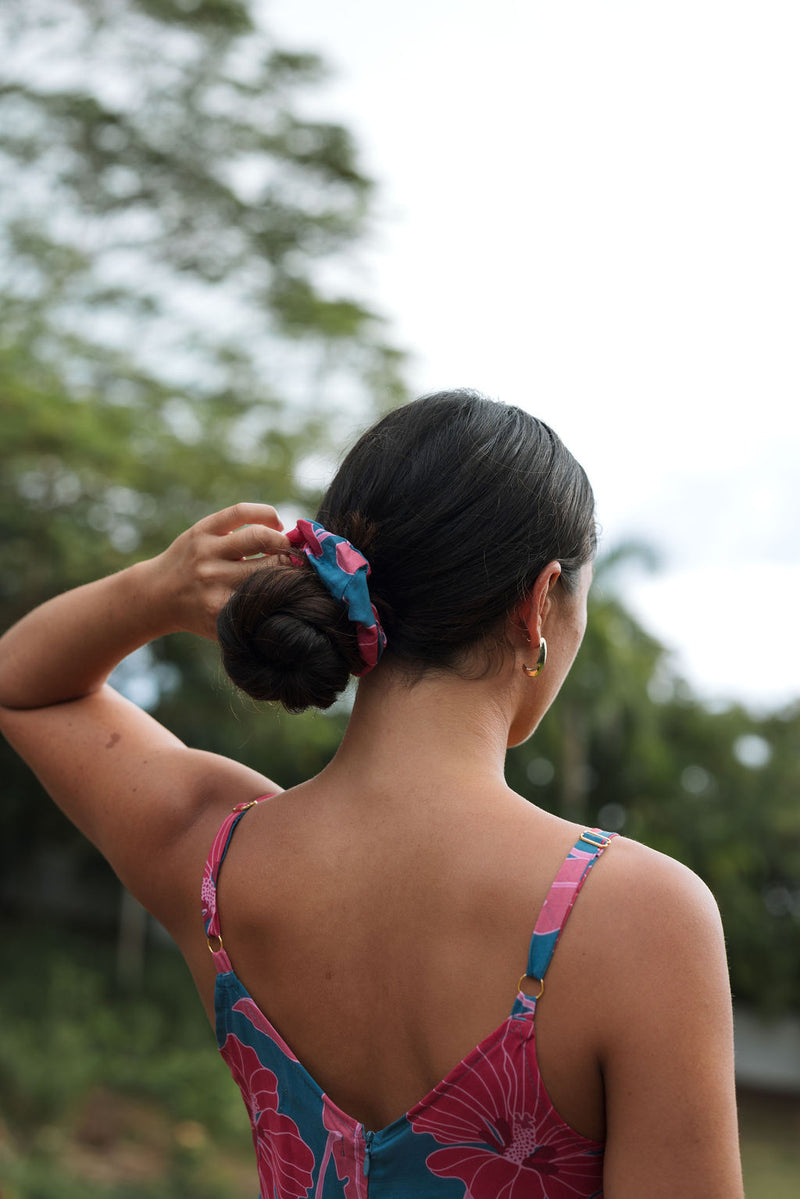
128	783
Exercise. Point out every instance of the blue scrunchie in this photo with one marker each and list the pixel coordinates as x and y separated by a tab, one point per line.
344	571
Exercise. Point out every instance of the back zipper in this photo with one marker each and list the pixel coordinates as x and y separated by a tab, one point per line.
368	1137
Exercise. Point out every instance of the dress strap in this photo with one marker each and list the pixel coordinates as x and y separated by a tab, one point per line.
208	892
560	898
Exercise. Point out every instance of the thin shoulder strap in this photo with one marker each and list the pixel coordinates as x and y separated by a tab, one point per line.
208	892
561	897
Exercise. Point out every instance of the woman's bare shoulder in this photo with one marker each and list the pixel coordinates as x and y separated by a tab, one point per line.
661	939
630	882
640	885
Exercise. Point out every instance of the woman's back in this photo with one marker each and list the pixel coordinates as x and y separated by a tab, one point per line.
384	950
488	1100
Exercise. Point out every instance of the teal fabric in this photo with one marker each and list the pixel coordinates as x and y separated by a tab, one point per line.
344	570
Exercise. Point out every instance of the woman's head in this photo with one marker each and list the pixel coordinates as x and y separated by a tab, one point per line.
458	502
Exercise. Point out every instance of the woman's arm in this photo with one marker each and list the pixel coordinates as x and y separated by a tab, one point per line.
667	1036
130	785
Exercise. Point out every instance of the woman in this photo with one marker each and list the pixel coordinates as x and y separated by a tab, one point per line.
369	927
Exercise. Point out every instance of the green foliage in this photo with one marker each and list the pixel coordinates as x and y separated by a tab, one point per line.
101	1085
166	344
66	1012
170	222
230	16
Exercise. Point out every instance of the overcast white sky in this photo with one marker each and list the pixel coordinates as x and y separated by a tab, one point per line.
590	209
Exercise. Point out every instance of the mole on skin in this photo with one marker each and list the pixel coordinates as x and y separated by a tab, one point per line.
113	740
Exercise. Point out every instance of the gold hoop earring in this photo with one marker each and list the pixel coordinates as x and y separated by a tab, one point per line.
532	671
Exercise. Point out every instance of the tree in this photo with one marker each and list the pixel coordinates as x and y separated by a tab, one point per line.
178	328
169	229
167	215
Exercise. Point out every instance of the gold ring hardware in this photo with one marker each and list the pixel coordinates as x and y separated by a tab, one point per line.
540	981
211	948
594	839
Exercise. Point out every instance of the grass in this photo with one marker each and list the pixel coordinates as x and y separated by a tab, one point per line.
108	1094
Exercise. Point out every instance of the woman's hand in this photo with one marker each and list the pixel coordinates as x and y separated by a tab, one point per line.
69	646
194	578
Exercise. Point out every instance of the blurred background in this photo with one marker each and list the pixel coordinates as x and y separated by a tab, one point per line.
234	232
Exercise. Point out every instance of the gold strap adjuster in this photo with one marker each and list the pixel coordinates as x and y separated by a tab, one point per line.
596	840
540	981
212	949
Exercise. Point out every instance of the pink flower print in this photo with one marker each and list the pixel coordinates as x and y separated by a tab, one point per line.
508	1174
208	891
285	1161
503	1139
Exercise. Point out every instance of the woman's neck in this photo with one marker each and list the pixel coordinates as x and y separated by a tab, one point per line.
403	736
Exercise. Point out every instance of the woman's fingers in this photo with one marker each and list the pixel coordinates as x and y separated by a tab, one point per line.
244	530
253	539
230	519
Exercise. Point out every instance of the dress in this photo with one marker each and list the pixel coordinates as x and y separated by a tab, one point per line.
487	1131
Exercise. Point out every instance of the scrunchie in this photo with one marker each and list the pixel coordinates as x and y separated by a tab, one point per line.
344	571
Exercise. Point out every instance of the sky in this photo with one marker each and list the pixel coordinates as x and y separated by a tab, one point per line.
590	210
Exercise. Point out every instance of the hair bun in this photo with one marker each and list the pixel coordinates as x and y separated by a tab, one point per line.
283	637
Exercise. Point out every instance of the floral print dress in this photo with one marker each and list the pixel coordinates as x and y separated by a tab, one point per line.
486	1131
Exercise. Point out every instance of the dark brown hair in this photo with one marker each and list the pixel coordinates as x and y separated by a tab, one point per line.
458	502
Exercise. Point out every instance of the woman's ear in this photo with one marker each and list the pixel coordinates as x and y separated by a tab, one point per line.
530	615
